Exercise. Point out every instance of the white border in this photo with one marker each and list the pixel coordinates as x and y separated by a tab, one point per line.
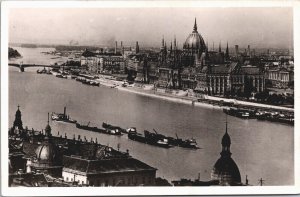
14	191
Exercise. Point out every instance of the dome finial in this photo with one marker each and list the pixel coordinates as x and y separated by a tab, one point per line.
195	25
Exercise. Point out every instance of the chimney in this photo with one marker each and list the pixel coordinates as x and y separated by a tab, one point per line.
236	50
116	45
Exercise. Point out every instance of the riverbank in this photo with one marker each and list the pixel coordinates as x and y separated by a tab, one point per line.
195	102
172	98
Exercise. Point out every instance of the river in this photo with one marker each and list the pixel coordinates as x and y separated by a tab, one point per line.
260	149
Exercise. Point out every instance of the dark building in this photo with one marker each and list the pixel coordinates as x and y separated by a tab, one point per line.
225	169
73	161
224	173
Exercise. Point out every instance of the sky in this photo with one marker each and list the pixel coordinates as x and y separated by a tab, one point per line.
258	27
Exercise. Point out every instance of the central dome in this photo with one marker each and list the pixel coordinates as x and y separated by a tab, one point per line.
194	41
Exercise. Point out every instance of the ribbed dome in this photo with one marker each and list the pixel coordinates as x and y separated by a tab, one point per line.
194	40
226	171
46	153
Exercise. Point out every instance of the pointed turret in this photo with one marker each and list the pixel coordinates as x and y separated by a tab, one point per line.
227	52
162	43
137	47
48	128
175	46
195	26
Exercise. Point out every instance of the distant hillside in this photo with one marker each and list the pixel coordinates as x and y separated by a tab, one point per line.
12	53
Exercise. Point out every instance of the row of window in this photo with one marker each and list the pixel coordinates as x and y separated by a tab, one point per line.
121	181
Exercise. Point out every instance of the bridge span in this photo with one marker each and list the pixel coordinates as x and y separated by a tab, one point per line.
23	66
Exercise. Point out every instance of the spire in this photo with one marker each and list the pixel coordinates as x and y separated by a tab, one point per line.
220	47
227	52
195	26
226	142
48	128
137	47
175	42
213	46
163	41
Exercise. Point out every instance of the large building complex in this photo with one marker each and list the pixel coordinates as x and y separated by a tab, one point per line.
194	67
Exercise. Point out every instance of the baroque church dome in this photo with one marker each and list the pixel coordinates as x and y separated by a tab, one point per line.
46	153
194	41
225	169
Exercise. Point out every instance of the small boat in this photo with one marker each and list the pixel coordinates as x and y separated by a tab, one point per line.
131	130
59	75
113	131
111	127
136	136
148	138
62	117
156	139
89	128
98	130
188	143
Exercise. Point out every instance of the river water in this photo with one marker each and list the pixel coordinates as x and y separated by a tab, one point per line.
260	149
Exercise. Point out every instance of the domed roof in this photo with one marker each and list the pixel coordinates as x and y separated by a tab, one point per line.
194	40
46	153
226	171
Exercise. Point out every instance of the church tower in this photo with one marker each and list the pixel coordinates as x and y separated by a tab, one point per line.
18	120
225	169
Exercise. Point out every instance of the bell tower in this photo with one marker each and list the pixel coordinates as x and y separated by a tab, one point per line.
18	120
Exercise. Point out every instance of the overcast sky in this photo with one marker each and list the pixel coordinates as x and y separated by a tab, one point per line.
259	27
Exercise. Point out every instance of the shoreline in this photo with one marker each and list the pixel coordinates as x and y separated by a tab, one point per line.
193	101
170	98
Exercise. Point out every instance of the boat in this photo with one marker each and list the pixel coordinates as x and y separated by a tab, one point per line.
89	128
62	117
131	129
98	130
148	138
156	139
188	143
241	113
111	127
133	135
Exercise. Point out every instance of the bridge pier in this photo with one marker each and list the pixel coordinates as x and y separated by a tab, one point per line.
22	69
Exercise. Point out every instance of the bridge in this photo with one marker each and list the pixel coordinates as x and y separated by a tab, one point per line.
23	66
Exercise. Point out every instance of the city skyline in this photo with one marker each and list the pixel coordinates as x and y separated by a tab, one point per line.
257	27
